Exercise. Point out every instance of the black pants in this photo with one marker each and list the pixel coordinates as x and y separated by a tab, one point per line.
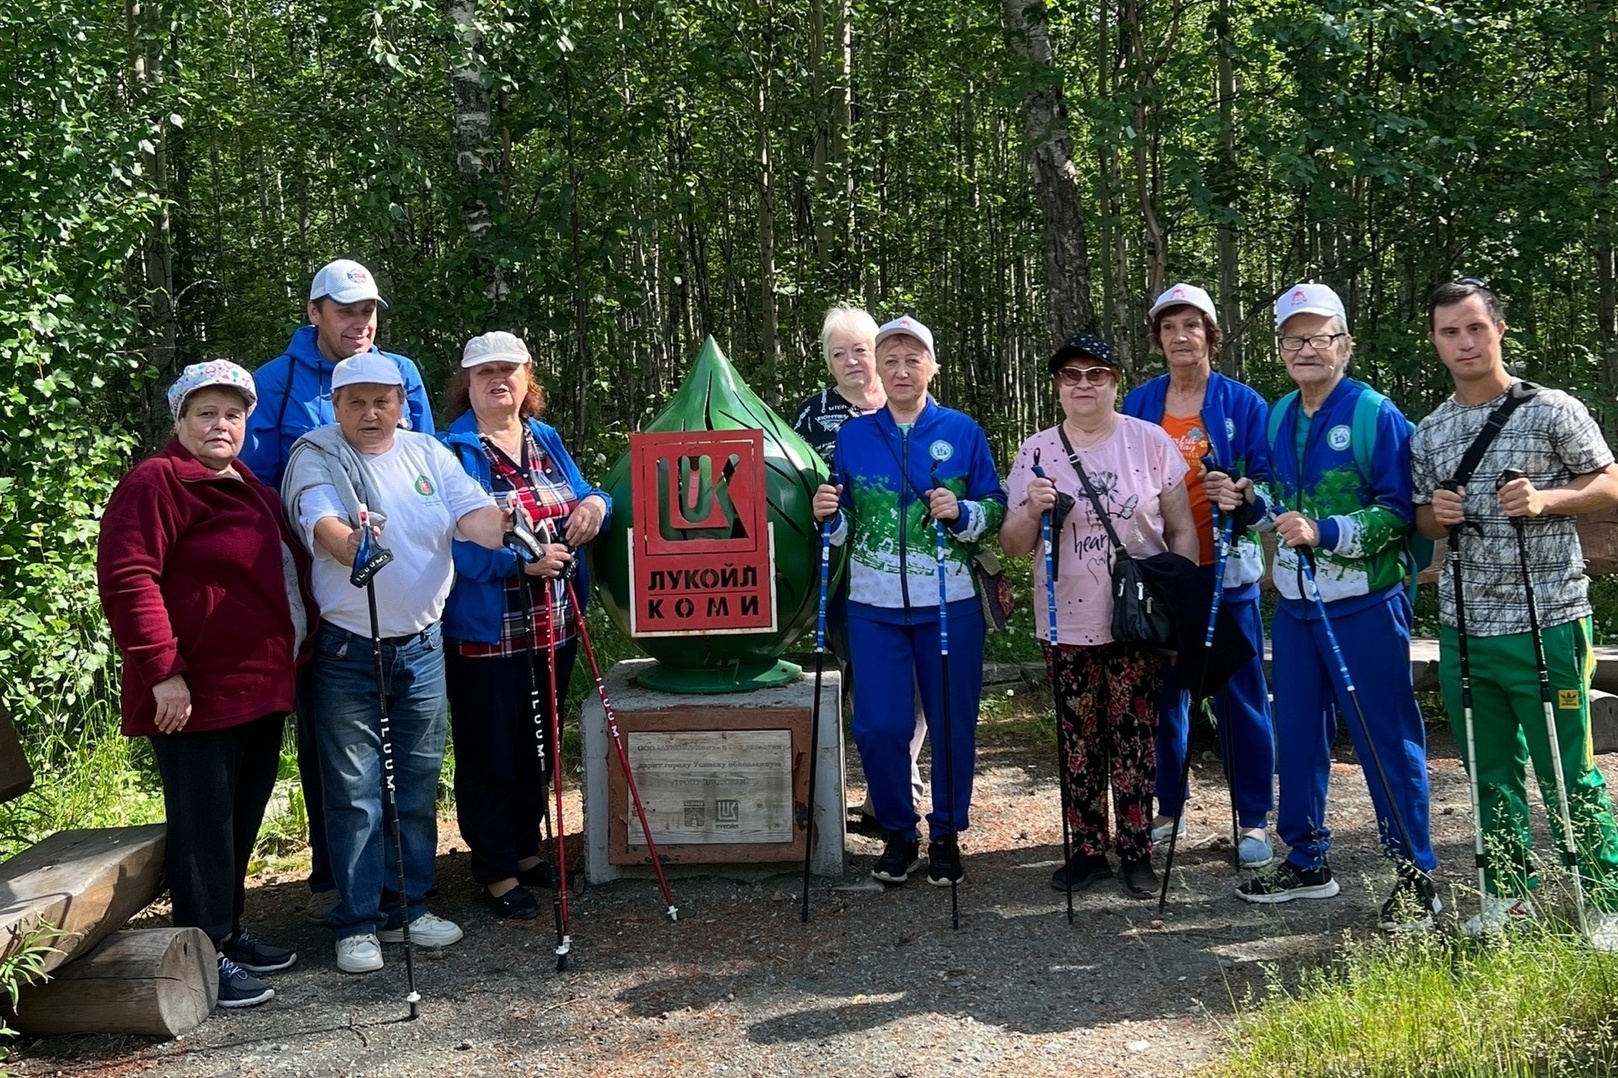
314	800
215	786
501	791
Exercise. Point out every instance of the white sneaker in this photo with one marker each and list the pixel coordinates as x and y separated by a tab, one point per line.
1603	931
428	930
359	954
1500	913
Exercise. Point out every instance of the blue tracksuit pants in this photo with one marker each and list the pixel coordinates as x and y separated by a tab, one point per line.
1309	697
884	716
1242	708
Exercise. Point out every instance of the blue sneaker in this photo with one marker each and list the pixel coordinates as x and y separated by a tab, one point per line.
1255	851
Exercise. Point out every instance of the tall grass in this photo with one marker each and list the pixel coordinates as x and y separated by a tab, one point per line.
1538	1003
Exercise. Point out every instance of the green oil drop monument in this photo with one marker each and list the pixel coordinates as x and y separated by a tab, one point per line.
712	567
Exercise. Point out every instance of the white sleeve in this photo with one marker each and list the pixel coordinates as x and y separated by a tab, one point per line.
462	493
315	505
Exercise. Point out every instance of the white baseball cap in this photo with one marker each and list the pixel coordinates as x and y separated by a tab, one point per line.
367	368
345	281
1308	299
907	325
496	346
1188	295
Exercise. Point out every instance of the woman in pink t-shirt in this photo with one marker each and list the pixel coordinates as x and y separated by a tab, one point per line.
1106	692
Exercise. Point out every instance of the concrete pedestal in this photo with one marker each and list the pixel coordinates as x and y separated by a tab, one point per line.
634	706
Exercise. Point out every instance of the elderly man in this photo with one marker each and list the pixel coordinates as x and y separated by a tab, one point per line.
294	390
421	500
1340	496
1567	469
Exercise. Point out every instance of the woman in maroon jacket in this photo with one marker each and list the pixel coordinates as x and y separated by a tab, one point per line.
206	592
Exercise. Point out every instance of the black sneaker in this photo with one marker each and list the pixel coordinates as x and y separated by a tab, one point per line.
1138	878
1412	905
944	862
1286	882
255	956
238	988
517	904
899	859
1081	870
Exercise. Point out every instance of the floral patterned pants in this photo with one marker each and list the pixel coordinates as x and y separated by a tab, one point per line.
1106	711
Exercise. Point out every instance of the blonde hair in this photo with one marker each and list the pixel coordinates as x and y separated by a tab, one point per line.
841	318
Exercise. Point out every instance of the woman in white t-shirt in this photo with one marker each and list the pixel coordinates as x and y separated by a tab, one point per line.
420	500
1106	692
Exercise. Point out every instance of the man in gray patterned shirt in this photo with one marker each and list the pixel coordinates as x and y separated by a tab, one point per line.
1568	470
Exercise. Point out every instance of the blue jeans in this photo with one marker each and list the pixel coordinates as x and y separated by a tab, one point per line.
348	720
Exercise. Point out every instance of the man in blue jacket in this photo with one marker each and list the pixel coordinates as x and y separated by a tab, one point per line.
294	394
1220	420
1340	492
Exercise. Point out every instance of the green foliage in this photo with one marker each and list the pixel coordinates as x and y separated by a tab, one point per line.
23	964
1540	1002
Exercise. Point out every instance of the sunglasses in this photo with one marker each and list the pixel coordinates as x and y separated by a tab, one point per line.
1078	376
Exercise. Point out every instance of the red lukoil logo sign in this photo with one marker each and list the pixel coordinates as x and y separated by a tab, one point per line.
702	552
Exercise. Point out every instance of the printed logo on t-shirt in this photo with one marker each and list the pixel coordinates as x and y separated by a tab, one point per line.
1230	428
1338	437
941	450
1193	445
424	486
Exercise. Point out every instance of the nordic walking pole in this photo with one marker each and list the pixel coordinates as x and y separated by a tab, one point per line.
1061	741
368	561
1306	574
814	720
1226	743
943	666
1570	845
623	753
559	911
1480	853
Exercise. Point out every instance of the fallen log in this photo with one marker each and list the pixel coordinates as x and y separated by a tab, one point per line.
156	981
86	883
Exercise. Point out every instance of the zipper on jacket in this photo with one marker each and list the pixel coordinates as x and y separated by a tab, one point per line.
904	518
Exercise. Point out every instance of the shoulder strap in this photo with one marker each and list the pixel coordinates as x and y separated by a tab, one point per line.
1278	415
1518	394
1362	433
1090	492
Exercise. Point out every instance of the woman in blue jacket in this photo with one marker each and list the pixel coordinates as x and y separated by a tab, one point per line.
503	615
1217	419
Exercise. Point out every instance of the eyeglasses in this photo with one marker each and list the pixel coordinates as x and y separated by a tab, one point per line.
1320	342
1079	376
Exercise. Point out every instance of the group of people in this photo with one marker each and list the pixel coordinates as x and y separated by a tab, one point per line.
227	570
226	567
1197	464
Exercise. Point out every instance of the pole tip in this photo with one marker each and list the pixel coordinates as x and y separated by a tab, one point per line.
674	913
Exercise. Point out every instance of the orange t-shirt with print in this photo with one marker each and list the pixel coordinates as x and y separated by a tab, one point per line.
1190	436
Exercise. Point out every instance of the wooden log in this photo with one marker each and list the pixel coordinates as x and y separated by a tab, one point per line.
16	777
84	882
157	981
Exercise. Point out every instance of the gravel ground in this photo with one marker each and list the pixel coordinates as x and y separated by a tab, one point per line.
876	984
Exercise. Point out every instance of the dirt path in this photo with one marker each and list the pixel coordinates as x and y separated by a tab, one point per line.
876	984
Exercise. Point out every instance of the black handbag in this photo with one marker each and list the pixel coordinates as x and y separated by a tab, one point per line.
1140	617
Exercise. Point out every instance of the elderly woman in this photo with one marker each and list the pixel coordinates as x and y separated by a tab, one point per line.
1219	422
419	499
848	341
506	620
900	469
203	586
1106	692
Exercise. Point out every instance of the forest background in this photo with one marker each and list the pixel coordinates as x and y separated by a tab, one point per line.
615	179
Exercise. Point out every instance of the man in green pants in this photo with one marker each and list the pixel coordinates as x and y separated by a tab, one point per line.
1567	470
